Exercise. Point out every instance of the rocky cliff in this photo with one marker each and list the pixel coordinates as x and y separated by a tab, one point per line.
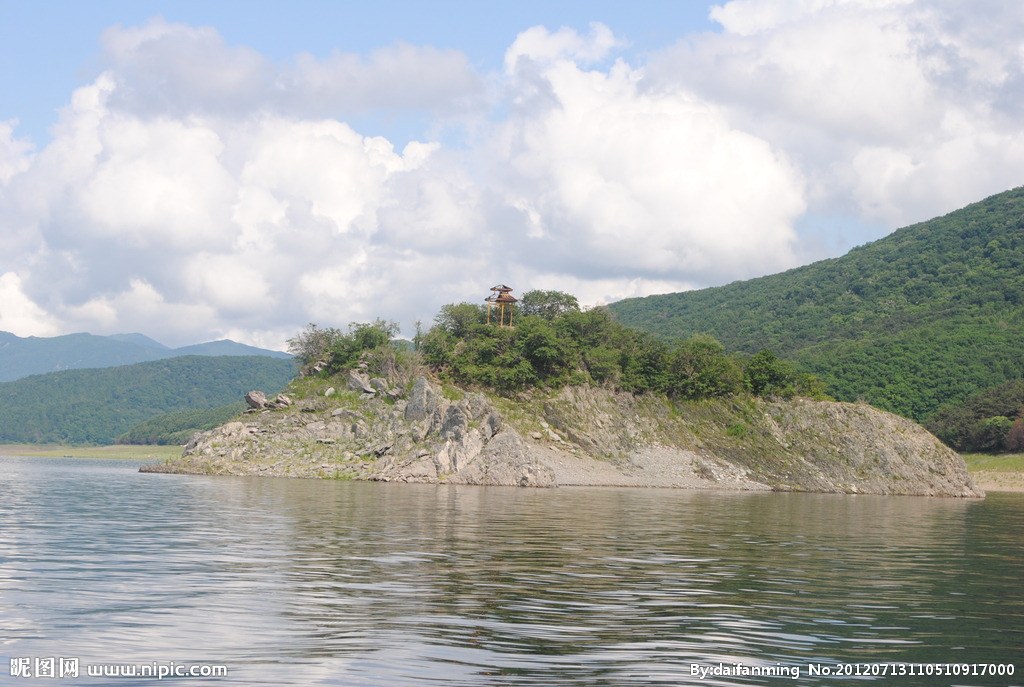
578	436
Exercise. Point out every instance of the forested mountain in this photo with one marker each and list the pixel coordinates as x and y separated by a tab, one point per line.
97	405
178	427
991	421
24	356
924	317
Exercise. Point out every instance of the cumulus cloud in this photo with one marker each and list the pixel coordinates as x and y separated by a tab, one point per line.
196	190
898	110
615	179
15	154
19	314
174	69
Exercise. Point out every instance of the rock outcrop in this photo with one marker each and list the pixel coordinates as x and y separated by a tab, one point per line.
579	436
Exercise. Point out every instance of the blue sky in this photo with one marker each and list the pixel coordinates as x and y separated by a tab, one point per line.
48	49
195	171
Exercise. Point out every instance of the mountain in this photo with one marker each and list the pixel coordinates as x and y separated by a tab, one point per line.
226	347
21	357
924	317
96	405
140	339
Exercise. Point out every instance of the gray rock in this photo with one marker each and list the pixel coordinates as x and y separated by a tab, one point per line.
493	424
422	401
507	460
256	400
358	381
476	406
455	423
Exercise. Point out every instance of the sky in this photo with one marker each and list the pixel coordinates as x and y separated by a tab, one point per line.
195	171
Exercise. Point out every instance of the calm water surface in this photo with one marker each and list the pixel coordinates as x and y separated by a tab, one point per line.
342	583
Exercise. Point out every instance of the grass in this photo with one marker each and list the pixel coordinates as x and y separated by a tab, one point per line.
124	451
1004	462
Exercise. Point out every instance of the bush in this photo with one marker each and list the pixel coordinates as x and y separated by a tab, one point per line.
1015	437
345	350
313	344
766	375
554	343
547	304
990	434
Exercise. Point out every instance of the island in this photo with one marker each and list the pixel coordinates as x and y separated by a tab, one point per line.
566	397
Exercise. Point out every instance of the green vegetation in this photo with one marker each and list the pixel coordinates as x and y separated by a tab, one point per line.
95	406
553	344
920	319
1007	462
120	451
330	350
176	428
991	421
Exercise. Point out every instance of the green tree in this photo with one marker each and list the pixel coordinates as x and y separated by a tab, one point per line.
457	319
766	375
699	368
547	304
313	344
346	349
990	434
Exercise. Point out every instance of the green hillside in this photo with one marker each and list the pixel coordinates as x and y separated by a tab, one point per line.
97	405
927	316
178	427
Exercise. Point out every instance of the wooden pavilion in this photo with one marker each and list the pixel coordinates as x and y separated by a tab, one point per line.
502	299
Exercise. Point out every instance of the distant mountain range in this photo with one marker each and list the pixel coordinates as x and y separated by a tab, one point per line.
24	356
97	405
924	317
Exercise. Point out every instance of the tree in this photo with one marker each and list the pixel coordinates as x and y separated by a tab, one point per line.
457	319
547	304
699	368
990	434
766	375
361	336
1015	437
312	343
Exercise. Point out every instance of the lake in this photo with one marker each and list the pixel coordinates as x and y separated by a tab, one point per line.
300	582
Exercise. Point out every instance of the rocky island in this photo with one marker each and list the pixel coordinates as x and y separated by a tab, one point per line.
565	397
579	435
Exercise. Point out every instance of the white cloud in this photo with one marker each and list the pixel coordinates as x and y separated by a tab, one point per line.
15	155
197	190
168	68
541	45
616	179
877	100
159	182
19	314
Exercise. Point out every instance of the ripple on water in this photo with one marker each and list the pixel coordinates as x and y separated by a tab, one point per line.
301	582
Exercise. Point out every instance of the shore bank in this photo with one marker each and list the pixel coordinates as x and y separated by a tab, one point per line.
989	473
118	451
578	436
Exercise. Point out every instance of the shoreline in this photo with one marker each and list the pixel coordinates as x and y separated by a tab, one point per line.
989	480
1011	481
111	451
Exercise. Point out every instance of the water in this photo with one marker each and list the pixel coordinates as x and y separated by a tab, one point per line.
342	583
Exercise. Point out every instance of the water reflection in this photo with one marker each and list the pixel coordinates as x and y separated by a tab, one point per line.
305	582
